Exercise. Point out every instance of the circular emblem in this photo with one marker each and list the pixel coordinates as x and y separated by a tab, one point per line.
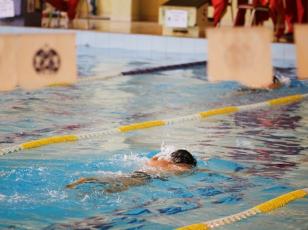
46	61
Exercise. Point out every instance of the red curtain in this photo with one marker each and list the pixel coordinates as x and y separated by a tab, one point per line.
220	7
295	12
260	15
67	6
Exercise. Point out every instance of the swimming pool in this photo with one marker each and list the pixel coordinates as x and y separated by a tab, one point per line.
271	144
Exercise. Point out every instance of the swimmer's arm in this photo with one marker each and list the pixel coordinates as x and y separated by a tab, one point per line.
81	181
124	183
115	184
202	170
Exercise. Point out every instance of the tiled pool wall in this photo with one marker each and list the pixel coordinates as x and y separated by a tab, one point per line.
196	48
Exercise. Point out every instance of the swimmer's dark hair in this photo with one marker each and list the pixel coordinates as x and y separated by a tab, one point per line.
182	156
275	79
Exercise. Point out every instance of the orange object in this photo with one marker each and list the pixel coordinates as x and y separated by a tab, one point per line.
48	59
219	9
295	12
277	13
301	34
240	54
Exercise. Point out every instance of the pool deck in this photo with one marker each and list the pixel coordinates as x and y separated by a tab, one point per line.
196	48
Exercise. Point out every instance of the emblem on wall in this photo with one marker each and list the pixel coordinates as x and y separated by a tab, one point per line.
46	61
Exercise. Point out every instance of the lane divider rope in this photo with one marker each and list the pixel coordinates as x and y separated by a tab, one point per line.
164	68
265	207
151	124
145	70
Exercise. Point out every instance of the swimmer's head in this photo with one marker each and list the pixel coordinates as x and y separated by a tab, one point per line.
173	160
275	79
276	83
182	156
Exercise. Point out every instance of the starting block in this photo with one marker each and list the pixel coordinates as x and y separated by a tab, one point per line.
240	54
301	42
8	65
33	61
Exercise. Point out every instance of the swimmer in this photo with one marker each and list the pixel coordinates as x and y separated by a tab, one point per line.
280	80
158	167
277	82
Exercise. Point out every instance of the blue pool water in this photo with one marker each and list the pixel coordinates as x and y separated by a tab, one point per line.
252	156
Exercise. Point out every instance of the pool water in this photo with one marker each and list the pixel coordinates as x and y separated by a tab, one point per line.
252	156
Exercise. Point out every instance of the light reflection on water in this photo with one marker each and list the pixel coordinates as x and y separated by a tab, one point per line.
270	143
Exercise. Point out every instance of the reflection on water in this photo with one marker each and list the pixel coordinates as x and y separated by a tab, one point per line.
269	139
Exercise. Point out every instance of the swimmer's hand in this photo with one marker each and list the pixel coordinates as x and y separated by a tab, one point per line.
80	181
